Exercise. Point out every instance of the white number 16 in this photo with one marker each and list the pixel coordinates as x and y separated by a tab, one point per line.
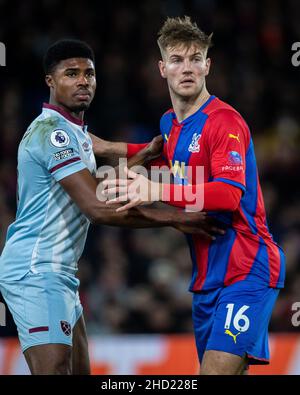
238	319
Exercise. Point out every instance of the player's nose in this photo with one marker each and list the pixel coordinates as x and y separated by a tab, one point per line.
187	65
82	80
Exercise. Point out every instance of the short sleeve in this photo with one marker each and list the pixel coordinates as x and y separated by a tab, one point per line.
228	142
57	150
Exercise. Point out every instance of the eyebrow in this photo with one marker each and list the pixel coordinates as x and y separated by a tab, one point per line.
180	56
78	68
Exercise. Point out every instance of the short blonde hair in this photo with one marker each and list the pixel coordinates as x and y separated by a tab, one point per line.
182	31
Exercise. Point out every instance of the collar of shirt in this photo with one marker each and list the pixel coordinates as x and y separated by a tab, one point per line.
65	114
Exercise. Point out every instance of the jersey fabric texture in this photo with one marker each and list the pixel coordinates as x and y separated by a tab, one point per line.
217	138
45	307
49	232
43	245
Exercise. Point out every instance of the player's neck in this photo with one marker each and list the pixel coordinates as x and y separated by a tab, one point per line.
185	107
77	115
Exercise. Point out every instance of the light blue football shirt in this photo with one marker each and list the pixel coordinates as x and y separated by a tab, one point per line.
49	232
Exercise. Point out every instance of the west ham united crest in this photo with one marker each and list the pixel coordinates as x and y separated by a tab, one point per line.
66	327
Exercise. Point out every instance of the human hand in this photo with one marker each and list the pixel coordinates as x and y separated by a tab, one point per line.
136	190
154	148
199	223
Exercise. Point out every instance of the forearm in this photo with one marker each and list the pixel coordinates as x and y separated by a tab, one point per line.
85	192
164	215
138	217
108	149
212	196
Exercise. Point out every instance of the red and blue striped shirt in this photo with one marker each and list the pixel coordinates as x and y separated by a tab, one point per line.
217	138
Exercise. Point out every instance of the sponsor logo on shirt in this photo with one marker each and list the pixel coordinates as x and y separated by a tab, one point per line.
178	170
67	153
232	168
59	138
195	146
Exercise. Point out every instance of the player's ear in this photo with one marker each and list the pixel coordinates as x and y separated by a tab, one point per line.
207	66
49	80
162	68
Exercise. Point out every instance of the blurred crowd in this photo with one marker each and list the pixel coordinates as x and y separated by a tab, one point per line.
135	281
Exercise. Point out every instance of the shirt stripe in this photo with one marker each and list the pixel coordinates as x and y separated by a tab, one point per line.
67	162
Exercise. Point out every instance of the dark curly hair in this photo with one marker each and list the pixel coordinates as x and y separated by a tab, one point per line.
66	49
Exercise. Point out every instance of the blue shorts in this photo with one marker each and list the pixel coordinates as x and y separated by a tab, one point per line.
44	306
234	319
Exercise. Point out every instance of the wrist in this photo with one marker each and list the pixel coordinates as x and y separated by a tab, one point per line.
110	149
175	218
144	154
147	153
159	216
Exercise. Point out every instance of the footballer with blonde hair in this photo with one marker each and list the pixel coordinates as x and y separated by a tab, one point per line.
236	278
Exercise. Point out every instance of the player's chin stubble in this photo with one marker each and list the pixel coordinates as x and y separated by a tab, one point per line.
80	107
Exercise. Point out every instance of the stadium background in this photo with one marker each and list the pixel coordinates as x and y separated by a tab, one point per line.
135	282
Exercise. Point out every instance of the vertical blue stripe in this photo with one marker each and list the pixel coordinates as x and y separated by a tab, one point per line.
166	122
219	254
281	277
249	200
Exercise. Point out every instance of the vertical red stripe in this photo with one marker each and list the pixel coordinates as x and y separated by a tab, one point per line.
242	256
201	255
274	262
173	139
